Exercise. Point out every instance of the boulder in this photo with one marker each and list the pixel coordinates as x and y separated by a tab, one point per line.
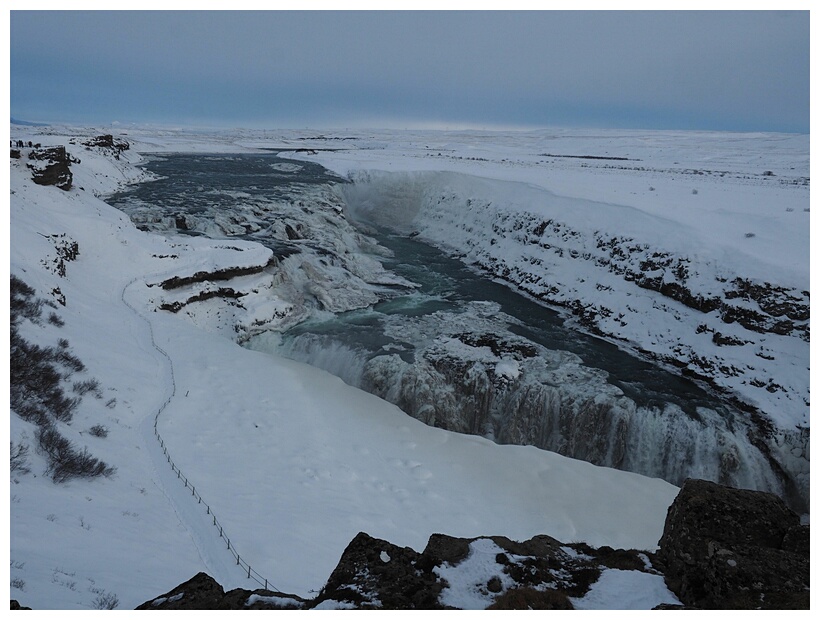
375	573
51	167
292	233
725	548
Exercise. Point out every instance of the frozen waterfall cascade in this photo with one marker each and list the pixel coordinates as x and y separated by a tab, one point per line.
379	307
476	377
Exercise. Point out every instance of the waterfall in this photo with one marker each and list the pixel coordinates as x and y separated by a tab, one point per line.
443	350
554	249
593	423
503	387
326	353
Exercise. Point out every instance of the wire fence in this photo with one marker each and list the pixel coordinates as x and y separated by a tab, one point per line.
242	564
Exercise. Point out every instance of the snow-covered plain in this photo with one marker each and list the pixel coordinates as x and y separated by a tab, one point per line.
292	461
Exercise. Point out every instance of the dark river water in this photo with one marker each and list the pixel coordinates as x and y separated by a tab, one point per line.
192	183
447	285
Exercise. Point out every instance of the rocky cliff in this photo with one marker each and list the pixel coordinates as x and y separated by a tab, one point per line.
50	166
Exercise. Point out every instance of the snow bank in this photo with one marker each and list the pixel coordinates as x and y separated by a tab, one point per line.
626	589
293	461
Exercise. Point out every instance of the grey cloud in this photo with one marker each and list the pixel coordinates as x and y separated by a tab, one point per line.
752	67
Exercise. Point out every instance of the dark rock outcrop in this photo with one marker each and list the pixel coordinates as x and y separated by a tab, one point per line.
224	292
203	592
51	167
16	605
211	276
374	572
292	233
108	142
726	548
540	573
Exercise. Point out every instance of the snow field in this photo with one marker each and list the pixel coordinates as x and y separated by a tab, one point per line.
293	461
363	465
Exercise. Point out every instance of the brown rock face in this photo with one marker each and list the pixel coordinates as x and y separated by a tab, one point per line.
725	548
539	573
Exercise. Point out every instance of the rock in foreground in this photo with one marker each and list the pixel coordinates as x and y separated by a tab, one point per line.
726	548
451	573
722	548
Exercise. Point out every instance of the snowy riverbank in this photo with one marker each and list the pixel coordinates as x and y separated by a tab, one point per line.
292	461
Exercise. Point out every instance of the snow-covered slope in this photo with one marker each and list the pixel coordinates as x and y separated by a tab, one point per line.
292	461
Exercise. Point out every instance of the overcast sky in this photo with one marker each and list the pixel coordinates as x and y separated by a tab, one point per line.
739	71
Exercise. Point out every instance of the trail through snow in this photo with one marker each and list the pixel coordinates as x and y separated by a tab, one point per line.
188	508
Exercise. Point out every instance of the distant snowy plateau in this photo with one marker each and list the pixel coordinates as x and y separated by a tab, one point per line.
687	249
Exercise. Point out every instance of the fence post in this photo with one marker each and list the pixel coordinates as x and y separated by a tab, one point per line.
249	571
